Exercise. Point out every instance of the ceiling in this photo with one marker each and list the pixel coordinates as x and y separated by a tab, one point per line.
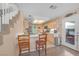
43	11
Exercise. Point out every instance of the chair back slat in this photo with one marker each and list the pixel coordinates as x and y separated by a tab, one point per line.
24	42
43	37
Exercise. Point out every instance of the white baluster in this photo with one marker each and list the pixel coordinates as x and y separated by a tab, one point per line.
10	15
3	16
13	13
7	18
3	20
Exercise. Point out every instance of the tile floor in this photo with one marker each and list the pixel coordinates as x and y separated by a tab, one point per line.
54	51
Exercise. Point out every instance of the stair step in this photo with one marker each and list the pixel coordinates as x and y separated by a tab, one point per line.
11	23
5	28
1	39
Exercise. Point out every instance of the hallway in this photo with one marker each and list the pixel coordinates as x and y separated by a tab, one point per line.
55	51
22	24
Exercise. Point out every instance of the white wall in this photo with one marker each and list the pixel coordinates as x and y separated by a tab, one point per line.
0	24
9	40
71	18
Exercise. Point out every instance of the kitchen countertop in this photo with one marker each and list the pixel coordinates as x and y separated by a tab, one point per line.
34	35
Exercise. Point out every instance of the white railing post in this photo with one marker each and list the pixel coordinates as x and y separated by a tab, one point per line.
9	11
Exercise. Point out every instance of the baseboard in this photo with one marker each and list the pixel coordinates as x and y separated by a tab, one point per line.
70	48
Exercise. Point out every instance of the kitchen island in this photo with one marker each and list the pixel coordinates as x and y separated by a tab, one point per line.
34	37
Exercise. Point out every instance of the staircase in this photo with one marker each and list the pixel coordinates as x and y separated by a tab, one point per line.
7	14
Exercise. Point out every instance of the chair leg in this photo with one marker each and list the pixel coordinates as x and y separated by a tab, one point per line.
42	47
39	49
29	50
19	52
36	47
45	50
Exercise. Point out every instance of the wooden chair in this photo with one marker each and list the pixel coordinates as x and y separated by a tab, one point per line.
41	43
24	43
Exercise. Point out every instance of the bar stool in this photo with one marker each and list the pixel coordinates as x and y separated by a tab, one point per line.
41	43
24	43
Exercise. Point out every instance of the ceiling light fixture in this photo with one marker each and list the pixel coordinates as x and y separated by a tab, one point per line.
52	6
